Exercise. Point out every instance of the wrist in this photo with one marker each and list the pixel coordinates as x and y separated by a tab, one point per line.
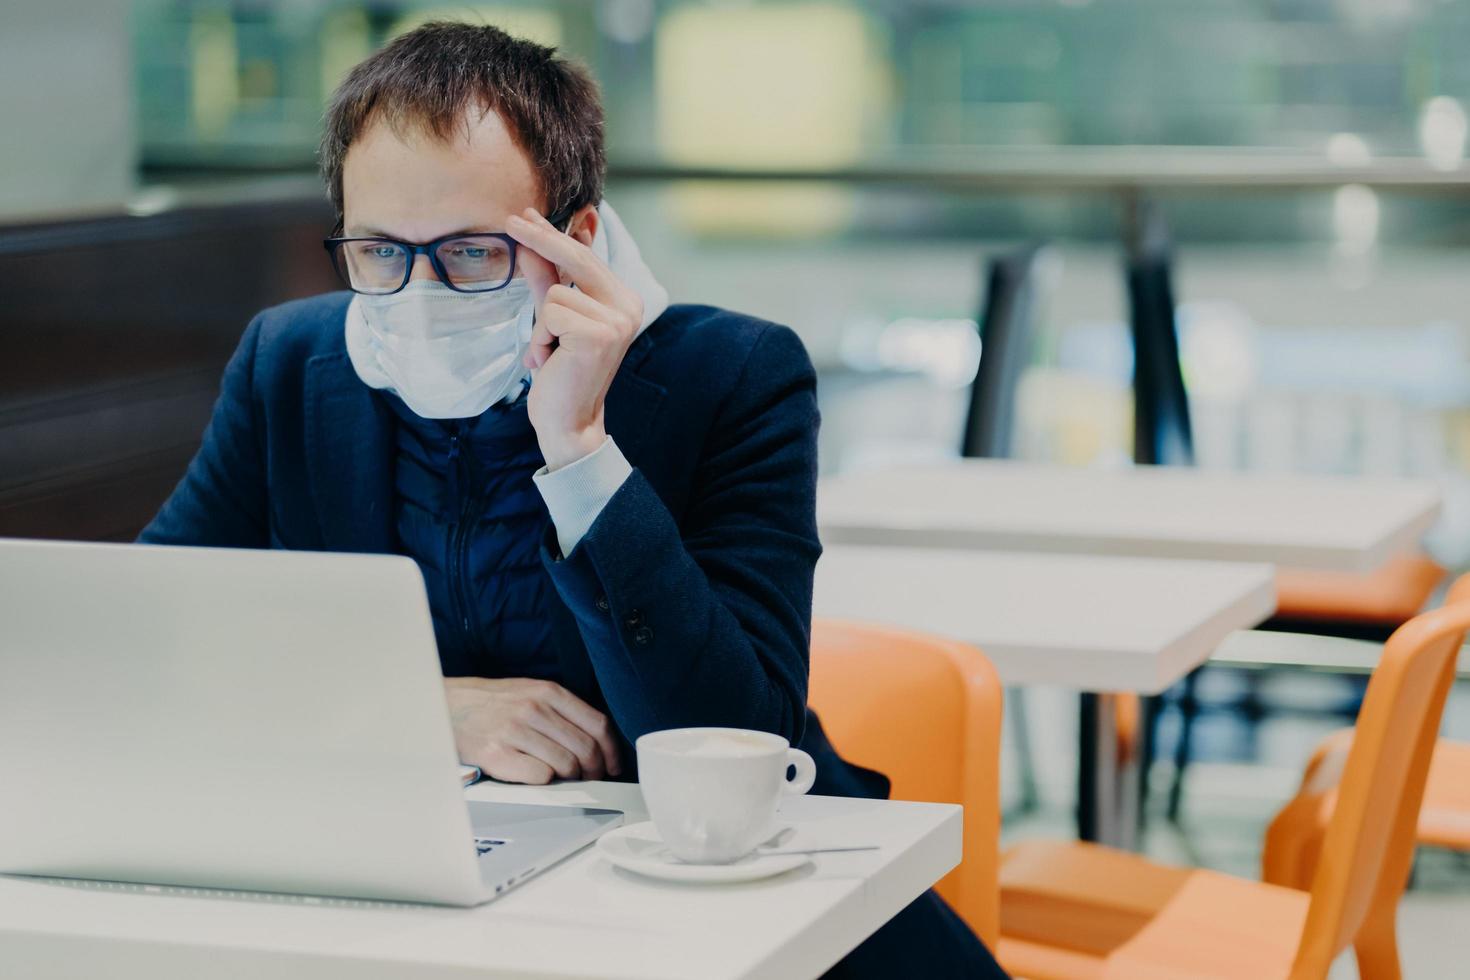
459	691
567	448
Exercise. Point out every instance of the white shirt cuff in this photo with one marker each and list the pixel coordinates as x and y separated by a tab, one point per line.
576	493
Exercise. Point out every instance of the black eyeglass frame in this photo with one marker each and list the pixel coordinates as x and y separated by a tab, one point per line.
334	244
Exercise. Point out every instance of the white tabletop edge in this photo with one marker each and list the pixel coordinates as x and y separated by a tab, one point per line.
1263	649
887	893
1102	669
1343	558
68	933
1406	509
1240	595
1406	539
1201	643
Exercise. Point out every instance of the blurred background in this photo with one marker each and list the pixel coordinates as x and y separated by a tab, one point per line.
856	170
847	168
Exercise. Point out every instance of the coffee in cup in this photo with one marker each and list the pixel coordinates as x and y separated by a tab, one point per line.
712	792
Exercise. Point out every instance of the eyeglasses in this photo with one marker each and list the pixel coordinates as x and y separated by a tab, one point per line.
475	263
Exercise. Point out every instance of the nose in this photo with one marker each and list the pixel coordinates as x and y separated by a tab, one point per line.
422	268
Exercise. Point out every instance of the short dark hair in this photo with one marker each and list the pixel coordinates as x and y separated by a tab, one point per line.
431	76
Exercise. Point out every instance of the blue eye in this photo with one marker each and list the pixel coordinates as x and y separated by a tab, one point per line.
380	252
473	253
474	257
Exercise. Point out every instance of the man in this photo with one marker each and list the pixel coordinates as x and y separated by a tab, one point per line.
611	499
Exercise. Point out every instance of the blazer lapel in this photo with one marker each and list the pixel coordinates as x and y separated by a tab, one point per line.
349	450
632	400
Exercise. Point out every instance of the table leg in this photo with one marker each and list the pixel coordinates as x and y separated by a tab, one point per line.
1109	770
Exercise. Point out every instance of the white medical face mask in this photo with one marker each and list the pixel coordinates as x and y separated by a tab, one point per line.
447	354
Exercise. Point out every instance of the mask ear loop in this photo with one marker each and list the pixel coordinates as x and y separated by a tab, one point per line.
525	326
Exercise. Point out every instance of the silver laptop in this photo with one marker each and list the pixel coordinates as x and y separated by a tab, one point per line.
258	720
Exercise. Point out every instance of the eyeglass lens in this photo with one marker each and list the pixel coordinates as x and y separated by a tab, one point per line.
474	263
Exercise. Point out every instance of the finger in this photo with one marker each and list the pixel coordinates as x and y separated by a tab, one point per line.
624	319
555	726
560	758
539	273
543	342
591	721
573	330
511	766
575	299
575	260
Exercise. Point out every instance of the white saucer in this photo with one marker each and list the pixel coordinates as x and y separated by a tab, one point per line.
638	848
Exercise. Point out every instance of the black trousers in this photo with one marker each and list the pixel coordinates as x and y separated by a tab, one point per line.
926	940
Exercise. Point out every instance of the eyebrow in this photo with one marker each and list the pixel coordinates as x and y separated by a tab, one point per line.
379	233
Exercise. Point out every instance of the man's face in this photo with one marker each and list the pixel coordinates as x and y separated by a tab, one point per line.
416	188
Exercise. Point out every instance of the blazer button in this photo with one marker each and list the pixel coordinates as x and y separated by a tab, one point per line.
644	636
602	603
634	619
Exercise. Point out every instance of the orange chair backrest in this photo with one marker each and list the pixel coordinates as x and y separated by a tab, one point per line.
1369	844
925	712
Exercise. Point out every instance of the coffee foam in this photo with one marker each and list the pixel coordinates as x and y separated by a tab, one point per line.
722	746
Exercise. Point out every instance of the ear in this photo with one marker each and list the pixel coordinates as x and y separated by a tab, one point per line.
583	225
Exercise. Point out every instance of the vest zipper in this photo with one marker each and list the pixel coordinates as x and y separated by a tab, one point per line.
451	473
460	510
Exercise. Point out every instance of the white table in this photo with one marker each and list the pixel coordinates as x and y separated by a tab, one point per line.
1088	622
1350	524
1304	651
580	919
1098	624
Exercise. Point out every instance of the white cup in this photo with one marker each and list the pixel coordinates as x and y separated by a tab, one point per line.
712	792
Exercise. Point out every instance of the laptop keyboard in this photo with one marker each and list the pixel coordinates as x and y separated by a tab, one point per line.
484	845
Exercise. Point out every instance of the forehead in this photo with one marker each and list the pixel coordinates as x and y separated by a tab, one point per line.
410	183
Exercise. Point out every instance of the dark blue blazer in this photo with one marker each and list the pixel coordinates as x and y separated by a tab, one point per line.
688	602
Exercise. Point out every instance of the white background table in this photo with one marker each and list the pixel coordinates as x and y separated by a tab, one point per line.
981	505
580	919
1349	524
1088	622
1099	624
1304	651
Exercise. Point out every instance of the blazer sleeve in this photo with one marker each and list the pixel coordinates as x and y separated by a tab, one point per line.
709	623
221	501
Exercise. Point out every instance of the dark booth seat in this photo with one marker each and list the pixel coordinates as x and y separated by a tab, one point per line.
113	333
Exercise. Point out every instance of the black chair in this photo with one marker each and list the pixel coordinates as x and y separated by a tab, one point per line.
1162	431
1163	435
1006	342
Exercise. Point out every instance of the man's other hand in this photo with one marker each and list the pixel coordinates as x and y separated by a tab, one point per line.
529	731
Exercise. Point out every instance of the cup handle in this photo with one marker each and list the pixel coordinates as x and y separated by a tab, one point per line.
806	773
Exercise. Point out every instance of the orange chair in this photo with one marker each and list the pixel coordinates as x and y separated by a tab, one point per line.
1294	839
1388	596
926	712
1358	606
1072	911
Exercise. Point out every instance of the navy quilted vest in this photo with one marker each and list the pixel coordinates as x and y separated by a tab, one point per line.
466	510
